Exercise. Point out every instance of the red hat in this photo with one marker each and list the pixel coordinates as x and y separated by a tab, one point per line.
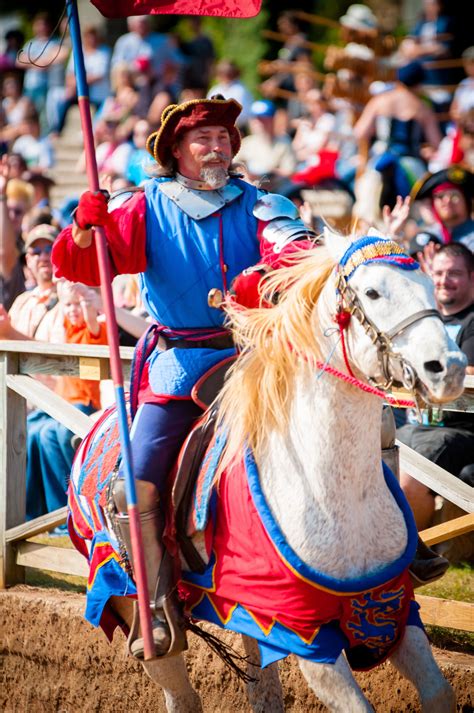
179	118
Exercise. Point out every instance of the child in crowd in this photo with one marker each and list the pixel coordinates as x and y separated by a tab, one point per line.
78	304
50	451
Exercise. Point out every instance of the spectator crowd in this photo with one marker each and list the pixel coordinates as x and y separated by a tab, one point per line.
383	136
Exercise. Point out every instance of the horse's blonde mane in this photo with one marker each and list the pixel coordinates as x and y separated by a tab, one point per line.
272	341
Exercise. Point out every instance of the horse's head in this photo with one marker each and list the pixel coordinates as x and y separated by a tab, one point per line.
395	334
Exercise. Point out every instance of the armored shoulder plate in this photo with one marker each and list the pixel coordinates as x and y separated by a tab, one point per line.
271	205
284	224
118	198
199	204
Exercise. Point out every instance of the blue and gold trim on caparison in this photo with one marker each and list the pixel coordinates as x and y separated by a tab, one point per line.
312	576
300	569
279	641
109	579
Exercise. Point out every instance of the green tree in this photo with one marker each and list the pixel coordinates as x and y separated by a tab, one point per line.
241	42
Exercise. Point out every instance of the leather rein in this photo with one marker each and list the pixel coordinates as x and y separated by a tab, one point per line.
349	302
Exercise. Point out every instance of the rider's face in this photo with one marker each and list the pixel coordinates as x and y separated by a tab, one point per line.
204	147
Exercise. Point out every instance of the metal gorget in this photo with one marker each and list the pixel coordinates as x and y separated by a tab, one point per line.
194	197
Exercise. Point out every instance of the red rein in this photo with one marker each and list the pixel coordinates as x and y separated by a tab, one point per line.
342	319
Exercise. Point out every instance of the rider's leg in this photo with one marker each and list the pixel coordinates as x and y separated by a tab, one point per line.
335	686
157	434
414	660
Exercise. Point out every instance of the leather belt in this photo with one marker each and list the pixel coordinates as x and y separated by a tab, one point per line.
223	341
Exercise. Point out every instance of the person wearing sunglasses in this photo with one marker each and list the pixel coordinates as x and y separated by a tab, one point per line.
28	311
450	193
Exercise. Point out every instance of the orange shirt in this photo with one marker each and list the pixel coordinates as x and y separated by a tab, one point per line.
71	388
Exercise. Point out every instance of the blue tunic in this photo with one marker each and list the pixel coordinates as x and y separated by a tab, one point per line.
185	259
184	256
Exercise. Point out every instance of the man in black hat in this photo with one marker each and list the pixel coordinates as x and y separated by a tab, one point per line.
451	192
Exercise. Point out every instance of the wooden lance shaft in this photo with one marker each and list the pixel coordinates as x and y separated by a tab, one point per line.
112	335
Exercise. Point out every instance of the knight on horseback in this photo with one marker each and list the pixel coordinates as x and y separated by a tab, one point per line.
194	226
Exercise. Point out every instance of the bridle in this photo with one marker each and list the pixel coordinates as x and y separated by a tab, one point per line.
349	303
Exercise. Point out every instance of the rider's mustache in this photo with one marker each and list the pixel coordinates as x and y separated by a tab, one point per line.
215	156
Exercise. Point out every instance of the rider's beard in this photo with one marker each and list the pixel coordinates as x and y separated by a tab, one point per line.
214	176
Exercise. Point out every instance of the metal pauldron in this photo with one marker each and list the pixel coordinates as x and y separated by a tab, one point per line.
284	224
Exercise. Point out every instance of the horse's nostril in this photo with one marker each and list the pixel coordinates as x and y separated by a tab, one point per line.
434	366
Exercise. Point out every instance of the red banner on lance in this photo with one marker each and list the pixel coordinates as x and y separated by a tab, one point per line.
211	8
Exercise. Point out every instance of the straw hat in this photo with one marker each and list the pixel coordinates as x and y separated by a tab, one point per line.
359	17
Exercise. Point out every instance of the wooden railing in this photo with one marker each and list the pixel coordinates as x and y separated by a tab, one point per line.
20	362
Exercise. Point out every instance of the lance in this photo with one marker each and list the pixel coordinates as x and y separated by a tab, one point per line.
112	335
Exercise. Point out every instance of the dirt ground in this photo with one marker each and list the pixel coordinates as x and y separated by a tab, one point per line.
52	660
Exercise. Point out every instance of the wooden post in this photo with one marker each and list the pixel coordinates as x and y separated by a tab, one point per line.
12	469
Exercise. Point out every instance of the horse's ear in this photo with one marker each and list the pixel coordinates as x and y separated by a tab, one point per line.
336	243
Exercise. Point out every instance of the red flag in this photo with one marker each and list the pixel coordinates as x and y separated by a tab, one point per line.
215	8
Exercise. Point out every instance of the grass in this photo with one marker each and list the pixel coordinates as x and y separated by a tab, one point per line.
451	639
55	580
457	584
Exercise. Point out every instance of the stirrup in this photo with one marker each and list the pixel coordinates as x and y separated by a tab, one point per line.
175	635
167	618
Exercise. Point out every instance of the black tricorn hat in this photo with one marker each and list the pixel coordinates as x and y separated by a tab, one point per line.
455	174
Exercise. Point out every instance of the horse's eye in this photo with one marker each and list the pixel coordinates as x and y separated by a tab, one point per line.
372	294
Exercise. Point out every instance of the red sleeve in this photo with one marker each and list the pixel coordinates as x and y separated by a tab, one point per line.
126	241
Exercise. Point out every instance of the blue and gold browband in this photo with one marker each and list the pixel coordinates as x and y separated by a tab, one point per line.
369	248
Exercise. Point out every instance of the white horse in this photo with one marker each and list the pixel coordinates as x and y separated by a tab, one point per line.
315	439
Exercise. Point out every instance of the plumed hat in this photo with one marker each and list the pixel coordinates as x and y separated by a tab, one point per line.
458	176
179	118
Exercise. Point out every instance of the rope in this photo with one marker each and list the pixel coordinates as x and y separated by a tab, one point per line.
364	387
344	351
35	62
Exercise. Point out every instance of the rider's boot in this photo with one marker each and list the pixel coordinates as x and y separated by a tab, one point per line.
167	622
427	565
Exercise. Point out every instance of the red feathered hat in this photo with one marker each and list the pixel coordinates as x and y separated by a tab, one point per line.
179	118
